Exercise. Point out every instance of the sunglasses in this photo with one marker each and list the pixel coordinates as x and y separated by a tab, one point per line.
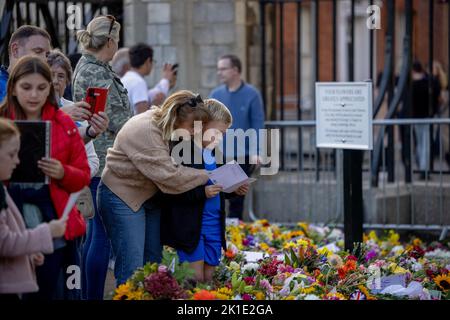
194	101
113	20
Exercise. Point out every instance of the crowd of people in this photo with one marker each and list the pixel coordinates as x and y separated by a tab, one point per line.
120	158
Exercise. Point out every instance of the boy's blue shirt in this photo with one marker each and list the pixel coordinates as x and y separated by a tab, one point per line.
211	211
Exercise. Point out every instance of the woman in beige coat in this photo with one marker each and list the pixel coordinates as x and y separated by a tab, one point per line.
137	167
20	249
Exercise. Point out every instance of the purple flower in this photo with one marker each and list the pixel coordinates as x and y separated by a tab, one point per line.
371	255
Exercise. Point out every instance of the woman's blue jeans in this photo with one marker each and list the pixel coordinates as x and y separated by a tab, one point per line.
135	236
95	254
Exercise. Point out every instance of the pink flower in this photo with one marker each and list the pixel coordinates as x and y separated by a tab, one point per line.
162	268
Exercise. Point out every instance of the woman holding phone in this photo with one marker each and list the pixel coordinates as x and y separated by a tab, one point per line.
99	43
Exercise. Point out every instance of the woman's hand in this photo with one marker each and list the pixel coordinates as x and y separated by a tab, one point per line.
242	190
99	123
38	259
52	168
78	111
212	190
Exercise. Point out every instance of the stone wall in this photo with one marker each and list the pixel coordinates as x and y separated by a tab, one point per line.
193	33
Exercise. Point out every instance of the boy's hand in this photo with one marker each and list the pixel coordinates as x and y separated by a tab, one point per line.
242	190
212	190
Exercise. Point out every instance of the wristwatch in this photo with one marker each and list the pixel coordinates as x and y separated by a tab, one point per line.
87	132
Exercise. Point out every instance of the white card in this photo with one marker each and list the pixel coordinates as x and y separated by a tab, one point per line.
70	204
230	176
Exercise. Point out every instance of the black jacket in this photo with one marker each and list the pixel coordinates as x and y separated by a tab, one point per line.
181	216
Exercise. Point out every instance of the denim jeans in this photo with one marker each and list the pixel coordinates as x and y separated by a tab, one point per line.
135	236
96	253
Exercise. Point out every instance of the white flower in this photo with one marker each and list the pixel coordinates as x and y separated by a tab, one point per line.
234	266
417	266
397	250
312	297
438	254
250	267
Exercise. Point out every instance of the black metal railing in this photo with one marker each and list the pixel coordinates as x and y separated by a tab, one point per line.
393	89
53	16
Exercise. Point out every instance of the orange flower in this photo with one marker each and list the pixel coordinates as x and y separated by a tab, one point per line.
342	273
350	265
204	295
230	254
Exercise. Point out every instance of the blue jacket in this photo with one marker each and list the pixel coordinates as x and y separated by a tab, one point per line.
4	75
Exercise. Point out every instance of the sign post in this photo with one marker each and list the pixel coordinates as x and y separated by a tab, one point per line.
344	121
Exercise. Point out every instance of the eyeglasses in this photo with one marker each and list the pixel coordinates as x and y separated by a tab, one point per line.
223	69
113	20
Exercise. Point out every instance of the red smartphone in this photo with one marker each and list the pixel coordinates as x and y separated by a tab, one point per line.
96	97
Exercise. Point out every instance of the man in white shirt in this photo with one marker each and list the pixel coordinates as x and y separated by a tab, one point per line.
141	63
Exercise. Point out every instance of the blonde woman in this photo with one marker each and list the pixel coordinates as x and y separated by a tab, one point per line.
194	222
99	43
137	167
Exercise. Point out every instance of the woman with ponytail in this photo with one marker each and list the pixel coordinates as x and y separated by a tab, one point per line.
99	43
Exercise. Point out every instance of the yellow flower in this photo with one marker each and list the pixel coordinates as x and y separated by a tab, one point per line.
236	236
443	282
223	293
308	290
136	295
302	243
373	236
394	268
364	290
123	292
289	245
417	242
290	298
393	237
325	252
260	295
264	246
303	225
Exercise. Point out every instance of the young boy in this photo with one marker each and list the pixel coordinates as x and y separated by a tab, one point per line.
194	222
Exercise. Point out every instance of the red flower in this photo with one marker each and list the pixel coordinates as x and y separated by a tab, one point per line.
270	267
246	297
250	281
342	273
351	257
162	285
417	252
